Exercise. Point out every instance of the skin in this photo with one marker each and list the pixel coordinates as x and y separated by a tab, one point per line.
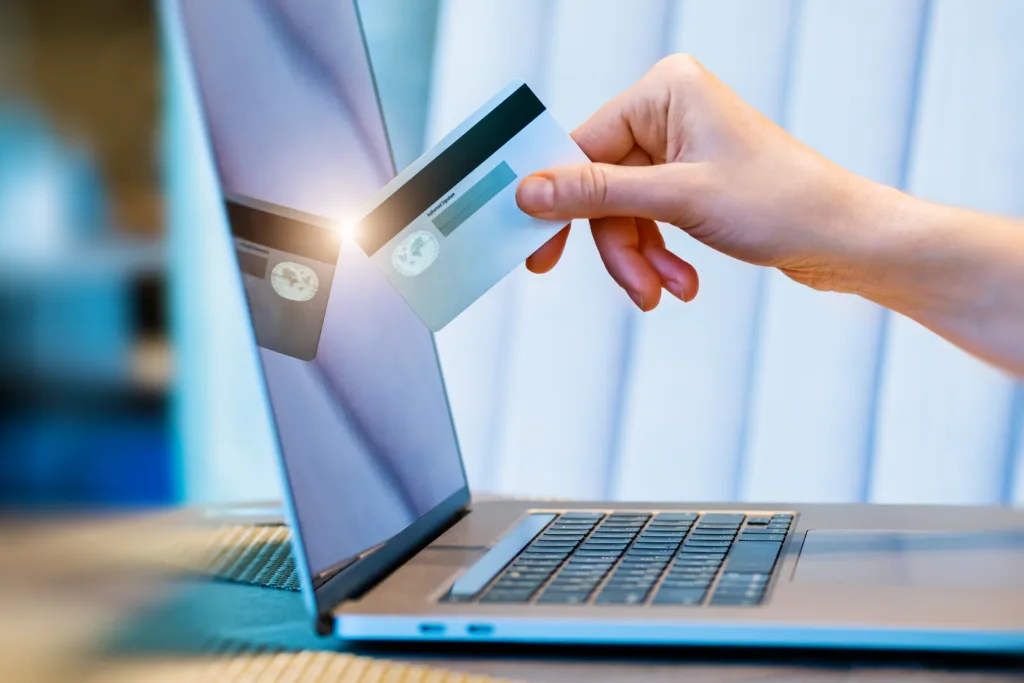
681	148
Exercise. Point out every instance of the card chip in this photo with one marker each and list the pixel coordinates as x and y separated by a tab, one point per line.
486	189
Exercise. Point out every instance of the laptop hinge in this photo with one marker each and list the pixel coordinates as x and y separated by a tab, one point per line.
370	570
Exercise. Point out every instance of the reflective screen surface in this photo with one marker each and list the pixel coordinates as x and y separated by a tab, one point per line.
352	374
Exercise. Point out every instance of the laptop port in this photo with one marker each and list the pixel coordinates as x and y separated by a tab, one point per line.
479	629
431	629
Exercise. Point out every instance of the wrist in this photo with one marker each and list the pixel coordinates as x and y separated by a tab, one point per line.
913	257
854	226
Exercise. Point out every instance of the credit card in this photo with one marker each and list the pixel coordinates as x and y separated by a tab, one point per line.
448	228
287	259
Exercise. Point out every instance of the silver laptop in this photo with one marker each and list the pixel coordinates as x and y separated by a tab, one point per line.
389	544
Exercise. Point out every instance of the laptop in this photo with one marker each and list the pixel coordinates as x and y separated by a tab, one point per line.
389	544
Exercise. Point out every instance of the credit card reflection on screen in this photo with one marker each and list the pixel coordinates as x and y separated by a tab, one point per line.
287	259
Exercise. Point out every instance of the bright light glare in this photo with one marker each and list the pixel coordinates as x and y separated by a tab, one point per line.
346	227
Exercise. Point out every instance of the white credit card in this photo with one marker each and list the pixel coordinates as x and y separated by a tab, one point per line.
448	228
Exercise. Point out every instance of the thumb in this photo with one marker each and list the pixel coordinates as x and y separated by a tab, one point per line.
600	190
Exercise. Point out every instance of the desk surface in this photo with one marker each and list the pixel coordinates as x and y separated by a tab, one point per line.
61	606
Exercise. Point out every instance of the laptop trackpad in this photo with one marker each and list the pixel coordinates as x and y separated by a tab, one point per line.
913	558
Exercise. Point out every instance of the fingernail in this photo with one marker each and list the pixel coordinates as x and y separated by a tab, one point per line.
536	194
676	289
637	299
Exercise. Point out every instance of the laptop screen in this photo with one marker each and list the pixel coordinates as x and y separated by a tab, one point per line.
352	374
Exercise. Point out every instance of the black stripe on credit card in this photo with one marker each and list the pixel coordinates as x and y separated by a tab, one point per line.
283	233
449	168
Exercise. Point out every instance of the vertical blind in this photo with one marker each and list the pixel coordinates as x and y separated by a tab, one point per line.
761	388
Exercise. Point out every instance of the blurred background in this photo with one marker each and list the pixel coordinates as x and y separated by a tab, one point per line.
127	379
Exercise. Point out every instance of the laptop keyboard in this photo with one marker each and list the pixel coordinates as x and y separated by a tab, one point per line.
634	558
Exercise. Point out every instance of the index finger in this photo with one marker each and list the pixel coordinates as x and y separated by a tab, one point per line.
630	119
606	136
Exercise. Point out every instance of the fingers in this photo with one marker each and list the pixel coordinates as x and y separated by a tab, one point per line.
634	253
677	276
635	117
599	190
607	136
618	242
545	258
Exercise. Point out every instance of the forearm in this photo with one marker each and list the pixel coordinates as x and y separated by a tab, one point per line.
958	272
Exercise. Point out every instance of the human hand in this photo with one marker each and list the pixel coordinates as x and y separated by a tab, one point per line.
682	148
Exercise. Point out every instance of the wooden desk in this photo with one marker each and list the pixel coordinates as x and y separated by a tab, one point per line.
62	610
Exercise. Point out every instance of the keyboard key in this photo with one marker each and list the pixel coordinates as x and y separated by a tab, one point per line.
722	518
739	591
652	552
759	520
573	589
620	597
734	602
600	551
633	583
635	576
649	567
699	553
733	576
552	549
641	556
712	537
516	586
574	586
563	579
507	596
752	557
731	579
635	569
580	515
545	560
707	544
586	567
675	516
593	563
673	583
693	571
680	596
730	588
515	572
629	584
602	555
692	568
776	538
562	599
